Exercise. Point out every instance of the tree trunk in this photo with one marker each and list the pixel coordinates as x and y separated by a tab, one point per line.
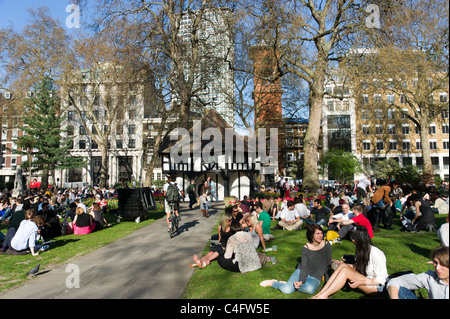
149	168
104	169
428	168
311	142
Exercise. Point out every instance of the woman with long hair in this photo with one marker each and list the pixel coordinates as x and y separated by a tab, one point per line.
224	232
368	274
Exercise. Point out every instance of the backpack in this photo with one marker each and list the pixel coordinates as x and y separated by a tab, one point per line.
172	194
191	189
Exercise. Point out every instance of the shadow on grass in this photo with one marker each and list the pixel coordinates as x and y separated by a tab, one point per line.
61	242
425	252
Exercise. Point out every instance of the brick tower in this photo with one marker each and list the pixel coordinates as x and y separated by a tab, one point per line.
267	94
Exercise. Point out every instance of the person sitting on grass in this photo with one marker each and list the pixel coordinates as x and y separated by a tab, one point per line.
264	220
359	219
290	219
314	265
25	237
82	223
240	254
250	221
368	274
98	217
435	282
224	232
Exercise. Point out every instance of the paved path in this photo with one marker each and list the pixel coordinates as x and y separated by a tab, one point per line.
146	264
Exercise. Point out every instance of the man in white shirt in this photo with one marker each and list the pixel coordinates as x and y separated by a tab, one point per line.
334	220
290	218
361	188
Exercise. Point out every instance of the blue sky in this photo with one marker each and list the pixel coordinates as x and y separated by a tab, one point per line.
14	12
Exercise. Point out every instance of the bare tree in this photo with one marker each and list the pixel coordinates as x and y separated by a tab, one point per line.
408	58
105	88
310	37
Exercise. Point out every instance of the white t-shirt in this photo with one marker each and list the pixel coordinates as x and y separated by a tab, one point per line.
289	215
363	183
302	210
25	236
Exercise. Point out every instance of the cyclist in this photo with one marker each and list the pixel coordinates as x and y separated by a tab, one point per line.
172	195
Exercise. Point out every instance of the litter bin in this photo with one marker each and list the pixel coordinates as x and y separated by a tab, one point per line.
135	203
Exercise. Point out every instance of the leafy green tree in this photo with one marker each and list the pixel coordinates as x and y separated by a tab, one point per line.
42	140
341	165
387	169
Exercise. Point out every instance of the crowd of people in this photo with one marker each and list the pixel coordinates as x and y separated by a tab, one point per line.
37	216
353	212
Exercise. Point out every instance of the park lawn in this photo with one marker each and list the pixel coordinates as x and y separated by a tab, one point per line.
404	251
13	268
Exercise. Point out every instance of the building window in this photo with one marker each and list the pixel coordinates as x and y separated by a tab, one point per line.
418	145
393	145
330	106
70	115
365	99
366	130
131	129
119	144
377	98
433	145
379	129
390	99
445	128
366	145
82	144
392	129
380	145
403	99
378	114
405	129
404	113
445	145
70	130
132	143
391	114
407	161
445	114
82	130
406	145
432	129
443	98
365	114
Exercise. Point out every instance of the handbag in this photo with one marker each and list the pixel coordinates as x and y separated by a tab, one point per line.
262	258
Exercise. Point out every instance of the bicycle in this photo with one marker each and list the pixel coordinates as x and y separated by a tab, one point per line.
173	223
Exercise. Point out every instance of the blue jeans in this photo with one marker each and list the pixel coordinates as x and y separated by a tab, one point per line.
380	204
308	287
321	222
404	293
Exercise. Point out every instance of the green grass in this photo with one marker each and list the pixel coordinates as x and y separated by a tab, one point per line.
404	251
13	268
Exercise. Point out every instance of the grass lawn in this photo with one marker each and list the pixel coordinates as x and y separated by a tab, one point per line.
404	251
13	269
